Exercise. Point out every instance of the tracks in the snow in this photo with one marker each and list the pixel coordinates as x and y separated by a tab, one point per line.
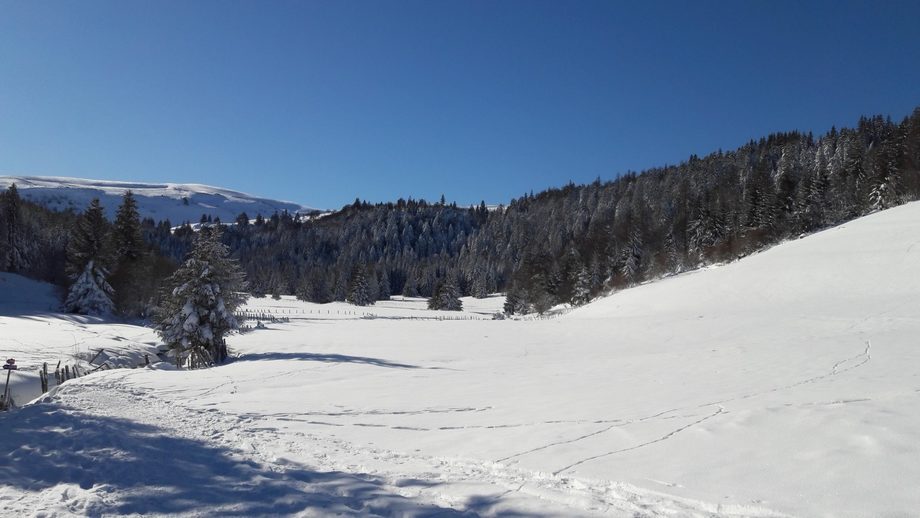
642	445
844	365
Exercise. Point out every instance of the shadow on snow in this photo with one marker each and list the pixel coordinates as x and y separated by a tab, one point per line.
138	468
329	358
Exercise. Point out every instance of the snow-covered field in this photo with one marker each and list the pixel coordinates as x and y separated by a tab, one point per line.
784	384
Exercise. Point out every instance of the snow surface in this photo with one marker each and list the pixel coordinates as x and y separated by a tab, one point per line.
33	331
782	384
159	201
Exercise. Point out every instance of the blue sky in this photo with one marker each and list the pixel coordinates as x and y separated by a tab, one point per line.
322	102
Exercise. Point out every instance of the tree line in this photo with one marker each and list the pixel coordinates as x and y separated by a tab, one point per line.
569	244
562	245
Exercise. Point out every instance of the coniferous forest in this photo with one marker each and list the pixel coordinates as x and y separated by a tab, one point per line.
561	245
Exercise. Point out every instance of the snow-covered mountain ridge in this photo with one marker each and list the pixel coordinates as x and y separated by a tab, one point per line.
160	201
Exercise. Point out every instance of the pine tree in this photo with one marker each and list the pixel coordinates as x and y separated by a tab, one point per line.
632	256
88	257
358	293
673	262
384	289
15	260
479	286
90	294
581	292
514	303
196	310
446	298
130	280
538	295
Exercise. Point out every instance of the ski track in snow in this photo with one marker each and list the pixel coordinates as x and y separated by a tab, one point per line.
642	445
865	356
111	394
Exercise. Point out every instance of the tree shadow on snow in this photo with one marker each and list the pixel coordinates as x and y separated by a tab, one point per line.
137	468
329	358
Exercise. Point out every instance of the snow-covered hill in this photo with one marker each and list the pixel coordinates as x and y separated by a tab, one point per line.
160	201
33	331
785	384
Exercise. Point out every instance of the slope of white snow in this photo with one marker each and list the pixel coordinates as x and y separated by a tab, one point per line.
160	201
783	384
33	331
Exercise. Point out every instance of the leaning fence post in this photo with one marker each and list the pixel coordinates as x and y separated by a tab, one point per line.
96	356
10	367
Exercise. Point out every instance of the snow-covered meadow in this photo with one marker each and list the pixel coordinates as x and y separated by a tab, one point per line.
786	383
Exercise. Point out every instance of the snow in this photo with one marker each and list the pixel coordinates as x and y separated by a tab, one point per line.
33	331
784	384
159	201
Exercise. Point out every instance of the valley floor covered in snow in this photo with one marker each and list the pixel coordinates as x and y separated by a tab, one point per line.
784	384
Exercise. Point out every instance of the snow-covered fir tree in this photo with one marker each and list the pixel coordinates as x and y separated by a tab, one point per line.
88	256
632	256
446	298
358	290
196	311
479	287
90	294
384	289
514	303
581	292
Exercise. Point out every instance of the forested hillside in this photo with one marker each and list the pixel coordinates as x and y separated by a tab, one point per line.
560	245
563	245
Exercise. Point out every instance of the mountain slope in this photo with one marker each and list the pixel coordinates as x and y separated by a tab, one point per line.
175	202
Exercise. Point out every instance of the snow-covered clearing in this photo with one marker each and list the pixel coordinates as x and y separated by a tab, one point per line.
784	384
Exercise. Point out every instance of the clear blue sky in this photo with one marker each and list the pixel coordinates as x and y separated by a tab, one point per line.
322	102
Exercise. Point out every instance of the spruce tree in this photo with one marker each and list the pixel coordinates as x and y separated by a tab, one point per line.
514	303
581	293
88	259
446	298
126	235
358	293
196	310
90	293
479	288
129	278
632	256
15	260
384	289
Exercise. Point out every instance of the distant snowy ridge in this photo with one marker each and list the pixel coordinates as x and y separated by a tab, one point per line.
173	201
